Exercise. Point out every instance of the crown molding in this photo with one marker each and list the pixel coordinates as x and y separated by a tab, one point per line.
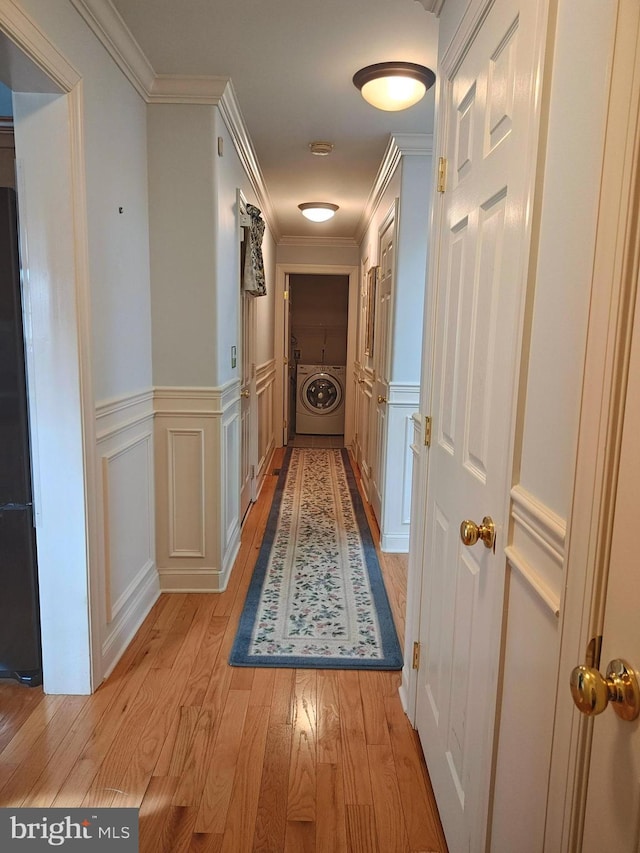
400	145
324	242
434	6
108	26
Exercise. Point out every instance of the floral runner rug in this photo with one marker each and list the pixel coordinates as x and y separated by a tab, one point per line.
317	598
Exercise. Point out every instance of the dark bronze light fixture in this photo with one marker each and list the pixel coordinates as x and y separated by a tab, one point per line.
393	86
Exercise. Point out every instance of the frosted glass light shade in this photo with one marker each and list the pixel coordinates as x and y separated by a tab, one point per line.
318	211
393	86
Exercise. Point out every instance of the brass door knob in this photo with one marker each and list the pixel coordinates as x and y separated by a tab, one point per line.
381	399
245	392
470	532
592	692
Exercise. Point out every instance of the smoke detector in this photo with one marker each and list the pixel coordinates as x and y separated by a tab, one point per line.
321	148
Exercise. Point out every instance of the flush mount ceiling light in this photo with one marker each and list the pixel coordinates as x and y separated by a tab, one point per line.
321	148
393	86
318	211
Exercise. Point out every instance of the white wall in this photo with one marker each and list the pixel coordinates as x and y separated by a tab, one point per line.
411	261
182	221
116	176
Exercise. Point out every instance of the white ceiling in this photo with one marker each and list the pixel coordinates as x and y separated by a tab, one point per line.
291	64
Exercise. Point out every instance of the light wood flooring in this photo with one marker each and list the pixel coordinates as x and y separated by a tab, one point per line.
224	759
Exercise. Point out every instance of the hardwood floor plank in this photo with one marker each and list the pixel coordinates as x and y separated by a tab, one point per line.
200	676
21	782
262	689
355	761
116	698
361	830
282	702
177	830
241	817
196	762
187	720
418	803
20	747
301	799
375	720
271	815
212	815
300	837
108	780
205	842
16	703
153	811
331	826
391	832
329	739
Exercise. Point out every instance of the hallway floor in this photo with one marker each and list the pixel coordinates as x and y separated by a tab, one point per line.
224	759
302	440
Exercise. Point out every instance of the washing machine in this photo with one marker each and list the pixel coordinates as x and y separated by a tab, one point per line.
320	399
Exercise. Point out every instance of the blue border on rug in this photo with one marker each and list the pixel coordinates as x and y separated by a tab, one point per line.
392	654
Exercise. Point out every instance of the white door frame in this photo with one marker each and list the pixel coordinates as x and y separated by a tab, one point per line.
614	291
58	356
282	270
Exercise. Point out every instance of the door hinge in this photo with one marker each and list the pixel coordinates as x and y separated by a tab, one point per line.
427	431
285	424
285	295
286	360
416	656
442	174
592	657
253	472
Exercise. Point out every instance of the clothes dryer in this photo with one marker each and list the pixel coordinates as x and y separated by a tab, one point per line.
320	399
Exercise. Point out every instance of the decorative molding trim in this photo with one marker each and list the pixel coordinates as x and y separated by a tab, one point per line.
106	23
111	609
398	146
401	394
201	402
120	413
545	527
24	33
230	111
200	550
434	6
535	581
265	373
394	543
143	594
192	580
319	242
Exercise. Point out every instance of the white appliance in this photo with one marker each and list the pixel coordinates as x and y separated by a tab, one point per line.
320	399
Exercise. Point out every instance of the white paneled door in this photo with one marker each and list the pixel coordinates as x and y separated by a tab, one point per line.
488	135
382	336
248	450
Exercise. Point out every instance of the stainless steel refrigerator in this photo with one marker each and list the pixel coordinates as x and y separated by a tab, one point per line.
20	655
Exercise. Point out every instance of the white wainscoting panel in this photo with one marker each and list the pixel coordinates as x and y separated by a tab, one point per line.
265	389
396	513
186	468
129	583
537	550
197	469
